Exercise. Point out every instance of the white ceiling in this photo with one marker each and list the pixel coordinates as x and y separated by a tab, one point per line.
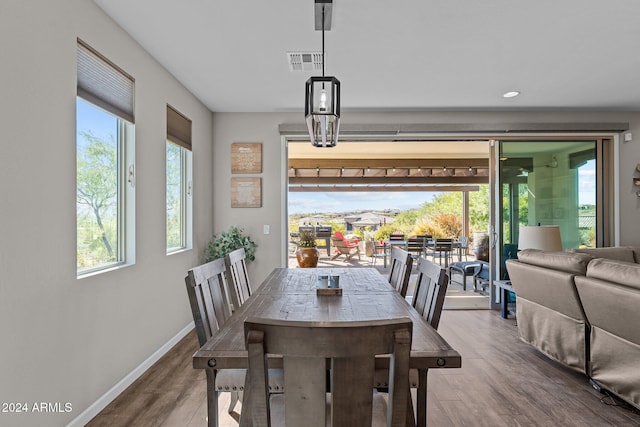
403	55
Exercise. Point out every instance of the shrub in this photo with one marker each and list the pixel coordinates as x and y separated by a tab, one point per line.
229	241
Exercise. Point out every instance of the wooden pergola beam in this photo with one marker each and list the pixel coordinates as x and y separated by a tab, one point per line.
409	180
381	188
386	163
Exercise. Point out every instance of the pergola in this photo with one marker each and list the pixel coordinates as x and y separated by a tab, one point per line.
422	166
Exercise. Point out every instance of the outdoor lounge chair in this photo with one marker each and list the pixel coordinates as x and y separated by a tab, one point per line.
342	248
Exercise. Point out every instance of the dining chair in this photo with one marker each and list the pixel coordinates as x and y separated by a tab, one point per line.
236	267
401	263
431	287
428	300
206	288
351	348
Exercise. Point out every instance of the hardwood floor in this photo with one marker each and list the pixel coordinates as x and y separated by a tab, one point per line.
503	382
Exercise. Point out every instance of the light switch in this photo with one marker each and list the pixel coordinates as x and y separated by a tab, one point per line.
267	229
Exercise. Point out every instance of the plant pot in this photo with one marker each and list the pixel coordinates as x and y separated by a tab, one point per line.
307	257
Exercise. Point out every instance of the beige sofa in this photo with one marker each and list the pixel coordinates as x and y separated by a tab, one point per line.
582	308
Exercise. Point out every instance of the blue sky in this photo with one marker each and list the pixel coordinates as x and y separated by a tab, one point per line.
587	183
101	124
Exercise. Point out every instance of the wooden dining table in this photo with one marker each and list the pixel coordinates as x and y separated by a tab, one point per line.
290	294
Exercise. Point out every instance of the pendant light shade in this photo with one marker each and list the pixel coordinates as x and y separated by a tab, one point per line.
322	94
322	110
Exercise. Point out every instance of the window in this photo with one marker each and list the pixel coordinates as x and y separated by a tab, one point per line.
105	177
178	192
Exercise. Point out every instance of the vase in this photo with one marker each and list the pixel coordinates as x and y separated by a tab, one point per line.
307	257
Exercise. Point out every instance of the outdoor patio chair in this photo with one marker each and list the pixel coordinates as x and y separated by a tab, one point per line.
343	249
464	246
417	246
478	270
379	250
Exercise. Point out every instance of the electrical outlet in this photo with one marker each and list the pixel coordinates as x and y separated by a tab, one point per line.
266	229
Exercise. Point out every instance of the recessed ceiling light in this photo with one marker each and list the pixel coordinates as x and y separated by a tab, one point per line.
511	94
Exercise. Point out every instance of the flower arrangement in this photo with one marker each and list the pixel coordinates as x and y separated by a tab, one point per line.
307	239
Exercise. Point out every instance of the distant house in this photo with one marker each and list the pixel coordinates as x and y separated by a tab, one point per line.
367	219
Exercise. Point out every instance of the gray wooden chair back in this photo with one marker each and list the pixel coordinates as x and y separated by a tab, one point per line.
237	275
351	348
206	288
401	263
431	287
207	291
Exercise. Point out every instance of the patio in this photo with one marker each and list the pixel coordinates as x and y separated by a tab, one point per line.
456	298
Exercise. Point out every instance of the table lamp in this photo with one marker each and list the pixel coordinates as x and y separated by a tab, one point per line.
542	237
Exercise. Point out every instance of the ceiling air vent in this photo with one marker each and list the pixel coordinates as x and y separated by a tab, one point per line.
305	61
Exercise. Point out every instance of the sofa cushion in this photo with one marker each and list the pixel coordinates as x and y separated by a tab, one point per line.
636	253
570	262
624	273
620	253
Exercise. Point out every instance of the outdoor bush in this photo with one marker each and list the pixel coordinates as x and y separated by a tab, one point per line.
439	225
384	232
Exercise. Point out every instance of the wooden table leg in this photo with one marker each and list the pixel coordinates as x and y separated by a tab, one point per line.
246	413
212	398
421	398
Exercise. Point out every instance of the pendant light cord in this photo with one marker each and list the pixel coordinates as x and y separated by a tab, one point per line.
323	41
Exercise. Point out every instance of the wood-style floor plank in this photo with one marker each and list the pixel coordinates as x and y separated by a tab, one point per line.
503	382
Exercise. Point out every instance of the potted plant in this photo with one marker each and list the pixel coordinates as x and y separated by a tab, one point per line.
482	248
307	254
229	241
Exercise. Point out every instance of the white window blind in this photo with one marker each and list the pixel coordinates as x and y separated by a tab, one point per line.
178	128
104	84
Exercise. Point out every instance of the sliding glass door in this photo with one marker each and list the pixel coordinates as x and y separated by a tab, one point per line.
549	183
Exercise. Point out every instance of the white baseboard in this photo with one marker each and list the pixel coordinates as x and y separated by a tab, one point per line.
102	402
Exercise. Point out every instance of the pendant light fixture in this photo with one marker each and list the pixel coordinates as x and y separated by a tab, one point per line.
322	94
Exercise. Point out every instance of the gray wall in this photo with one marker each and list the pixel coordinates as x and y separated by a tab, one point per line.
63	339
254	127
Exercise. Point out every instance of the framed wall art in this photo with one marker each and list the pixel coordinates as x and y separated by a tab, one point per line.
246	157
246	192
